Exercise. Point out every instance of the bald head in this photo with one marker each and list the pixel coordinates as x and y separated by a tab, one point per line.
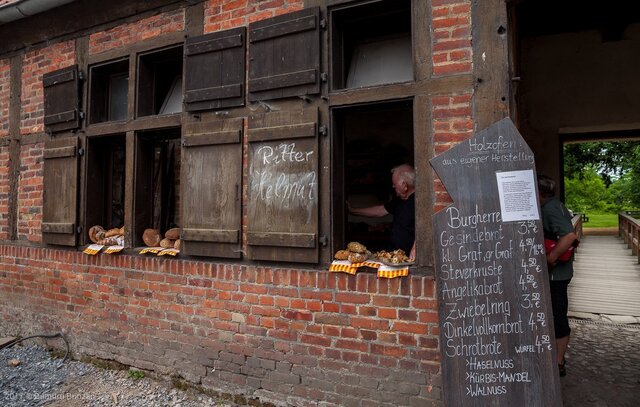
403	178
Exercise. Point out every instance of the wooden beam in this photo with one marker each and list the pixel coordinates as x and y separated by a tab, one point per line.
490	62
15	103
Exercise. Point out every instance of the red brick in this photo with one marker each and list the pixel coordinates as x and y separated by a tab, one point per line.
353	345
409	327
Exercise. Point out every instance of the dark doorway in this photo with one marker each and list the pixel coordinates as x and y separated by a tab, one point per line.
576	71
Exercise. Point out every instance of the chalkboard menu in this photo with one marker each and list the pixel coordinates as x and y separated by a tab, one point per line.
496	325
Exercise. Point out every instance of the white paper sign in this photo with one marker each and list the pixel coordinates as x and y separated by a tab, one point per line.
518	199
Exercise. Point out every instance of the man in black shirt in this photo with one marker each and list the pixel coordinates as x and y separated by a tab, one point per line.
402	207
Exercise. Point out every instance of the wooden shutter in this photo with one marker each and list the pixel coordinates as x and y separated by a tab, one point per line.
212	188
62	99
215	70
283	186
284	55
60	191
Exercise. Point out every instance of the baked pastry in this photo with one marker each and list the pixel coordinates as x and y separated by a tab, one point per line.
342	255
167	243
177	243
112	232
397	256
151	237
358	257
173	234
96	233
356	247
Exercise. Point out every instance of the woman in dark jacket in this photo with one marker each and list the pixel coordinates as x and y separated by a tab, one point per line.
557	225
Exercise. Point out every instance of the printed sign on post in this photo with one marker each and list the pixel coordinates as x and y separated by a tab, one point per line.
518	199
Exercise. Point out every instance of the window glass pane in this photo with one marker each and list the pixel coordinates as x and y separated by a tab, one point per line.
118	90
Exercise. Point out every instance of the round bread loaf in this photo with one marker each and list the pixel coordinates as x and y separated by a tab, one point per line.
151	237
94	231
358	257
356	247
173	234
342	255
167	243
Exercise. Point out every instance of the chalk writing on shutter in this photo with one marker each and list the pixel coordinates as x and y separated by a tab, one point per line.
283	187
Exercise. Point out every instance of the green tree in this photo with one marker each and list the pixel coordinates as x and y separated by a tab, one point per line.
586	192
617	164
620	196
633	187
611	159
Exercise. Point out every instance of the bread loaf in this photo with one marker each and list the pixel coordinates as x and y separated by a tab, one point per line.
356	247
342	255
96	233
110	241
358	257
173	234
151	237
112	232
167	243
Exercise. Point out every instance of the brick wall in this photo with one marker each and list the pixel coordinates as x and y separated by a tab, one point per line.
30	188
451	36
452	55
5	89
225	14
279	334
132	33
4	193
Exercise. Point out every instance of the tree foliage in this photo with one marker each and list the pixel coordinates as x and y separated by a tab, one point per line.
602	176
611	159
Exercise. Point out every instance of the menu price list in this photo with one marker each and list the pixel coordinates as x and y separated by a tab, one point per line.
491	304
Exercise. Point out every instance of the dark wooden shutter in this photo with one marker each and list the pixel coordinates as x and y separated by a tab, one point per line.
62	99
60	191
284	55
283	186
215	70
212	188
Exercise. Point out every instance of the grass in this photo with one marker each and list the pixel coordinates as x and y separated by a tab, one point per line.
135	374
601	220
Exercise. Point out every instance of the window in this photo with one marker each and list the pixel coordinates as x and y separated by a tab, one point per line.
370	140
106	181
371	44
160	82
109	90
157	182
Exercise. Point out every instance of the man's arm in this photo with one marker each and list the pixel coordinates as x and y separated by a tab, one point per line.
375	211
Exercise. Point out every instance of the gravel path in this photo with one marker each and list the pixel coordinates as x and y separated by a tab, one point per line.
37	381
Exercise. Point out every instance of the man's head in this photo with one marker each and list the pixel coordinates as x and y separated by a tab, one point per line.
403	178
546	186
